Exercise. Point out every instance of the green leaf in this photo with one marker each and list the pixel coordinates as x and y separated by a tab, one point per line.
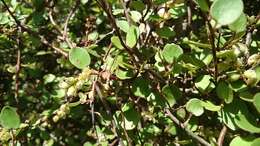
156	99
241	141
210	106
171	52
9	119
238	86
136	16
171	93
141	87
79	57
246	95
256	101
224	92
48	78
203	5
131	36
203	82
226	11
246	122
116	42
240	24
131	117
228	113
256	142
195	107
123	25
165	32
137	5
124	74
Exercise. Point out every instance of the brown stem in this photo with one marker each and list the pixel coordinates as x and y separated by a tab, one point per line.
222	135
190	133
107	8
35	34
71	13
211	35
12	137
126	11
107	108
18	65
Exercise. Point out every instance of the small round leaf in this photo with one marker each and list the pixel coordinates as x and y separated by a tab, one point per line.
171	52
171	93
256	101
240	24
224	92
241	141
79	57
195	107
226	11
9	118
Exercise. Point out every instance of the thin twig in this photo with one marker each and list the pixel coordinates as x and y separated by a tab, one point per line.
222	135
211	35
12	137
71	13
181	125
18	64
12	15
107	108
54	23
107	8
35	34
126	11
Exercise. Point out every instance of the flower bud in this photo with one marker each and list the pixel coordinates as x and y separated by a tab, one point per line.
55	118
65	108
253	59
71	91
63	85
250	77
233	76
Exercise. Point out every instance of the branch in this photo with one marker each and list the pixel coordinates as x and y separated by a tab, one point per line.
107	108
222	135
211	35
107	8
18	64
190	133
35	34
71	13
126	11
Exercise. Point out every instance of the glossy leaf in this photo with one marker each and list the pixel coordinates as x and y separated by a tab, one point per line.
131	117
224	92
9	119
171	93
241	141
203	82
247	123
131	36
256	101
240	24
141	87
165	32
171	52
203	5
79	57
210	106
226	11
195	107
229	111
116	42
123	25
124	74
